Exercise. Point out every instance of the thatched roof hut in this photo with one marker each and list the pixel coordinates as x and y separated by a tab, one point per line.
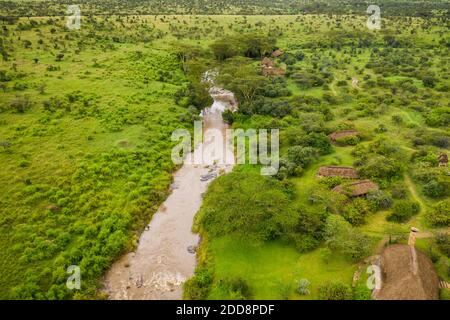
333	171
268	68
277	53
357	189
443	160
266	62
272	71
343	134
408	274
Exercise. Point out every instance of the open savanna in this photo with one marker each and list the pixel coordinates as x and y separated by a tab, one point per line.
88	150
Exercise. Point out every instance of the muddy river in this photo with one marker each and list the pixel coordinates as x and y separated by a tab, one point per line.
165	256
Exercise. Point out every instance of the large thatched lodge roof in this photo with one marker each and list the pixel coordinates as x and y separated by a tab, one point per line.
334	171
408	274
357	189
277	53
343	134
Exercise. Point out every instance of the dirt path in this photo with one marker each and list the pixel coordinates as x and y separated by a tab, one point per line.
413	191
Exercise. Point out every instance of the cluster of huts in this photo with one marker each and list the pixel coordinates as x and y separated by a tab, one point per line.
406	273
268	67
357	188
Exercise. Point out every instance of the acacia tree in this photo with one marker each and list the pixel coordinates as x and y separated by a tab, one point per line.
241	76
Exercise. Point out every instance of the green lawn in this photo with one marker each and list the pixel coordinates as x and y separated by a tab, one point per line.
270	266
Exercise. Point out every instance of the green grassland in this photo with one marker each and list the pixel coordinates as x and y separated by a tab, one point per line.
93	144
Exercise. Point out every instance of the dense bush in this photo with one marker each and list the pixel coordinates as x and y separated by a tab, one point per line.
308	232
403	210
301	156
235	289
248	45
435	189
20	104
247	205
439	117
379	200
442	240
444	294
382	168
439	214
340	236
334	291
198	287
356	211
307	80
348	141
362	292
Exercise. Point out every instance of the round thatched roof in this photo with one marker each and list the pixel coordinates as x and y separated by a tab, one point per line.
408	274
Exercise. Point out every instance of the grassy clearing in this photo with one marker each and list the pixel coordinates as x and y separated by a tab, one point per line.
271	267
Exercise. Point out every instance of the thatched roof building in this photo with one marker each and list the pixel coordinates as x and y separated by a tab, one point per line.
333	171
408	274
343	134
443	160
277	53
272	71
266	62
268	68
357	189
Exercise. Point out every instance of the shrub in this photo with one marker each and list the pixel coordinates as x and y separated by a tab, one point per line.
228	117
325	255
429	81
198	287
331	182
355	212
362	292
439	117
445	294
439	215
285	289
379	200
348	141
303	287
302	242
443	242
335	291
352	215
340	236
20	104
24	163
301	156
380	167
403	210
434	189
399	191
236	289
59	57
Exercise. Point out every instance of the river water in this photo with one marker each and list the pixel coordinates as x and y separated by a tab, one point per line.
165	256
